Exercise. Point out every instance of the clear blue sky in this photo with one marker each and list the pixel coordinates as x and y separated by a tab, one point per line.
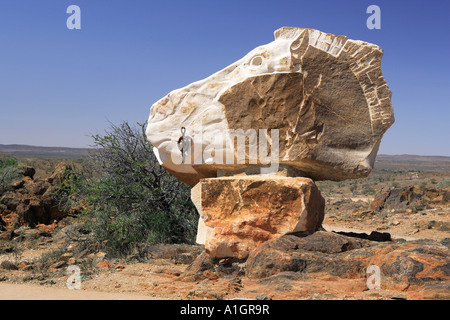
57	85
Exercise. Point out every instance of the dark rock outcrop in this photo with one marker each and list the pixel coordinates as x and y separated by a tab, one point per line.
293	259
414	198
404	264
33	201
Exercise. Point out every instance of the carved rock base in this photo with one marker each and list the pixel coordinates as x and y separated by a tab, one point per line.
239	212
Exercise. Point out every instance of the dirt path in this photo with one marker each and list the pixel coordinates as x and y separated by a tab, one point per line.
9	291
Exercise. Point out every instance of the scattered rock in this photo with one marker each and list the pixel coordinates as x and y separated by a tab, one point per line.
399	296
373	236
346	205
29	172
446	242
410	199
210	275
194	272
119	267
184	258
175	252
6	248
235	285
435	291
299	254
7	235
8	265
47	228
32	201
104	264
401	264
58	265
71	232
433	224
322	296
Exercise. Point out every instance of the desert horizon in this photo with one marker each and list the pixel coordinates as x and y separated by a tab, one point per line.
23	149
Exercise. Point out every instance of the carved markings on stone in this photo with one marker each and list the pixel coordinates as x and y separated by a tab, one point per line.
366	67
329	43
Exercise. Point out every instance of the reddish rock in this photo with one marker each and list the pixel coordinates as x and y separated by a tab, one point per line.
34	202
119	267
8	265
104	264
241	212
210	275
414	266
47	228
410	199
57	265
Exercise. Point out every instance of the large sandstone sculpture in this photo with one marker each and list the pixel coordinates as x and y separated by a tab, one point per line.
325	93
310	104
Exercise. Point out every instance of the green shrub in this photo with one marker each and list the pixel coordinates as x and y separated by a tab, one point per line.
9	172
444	184
130	198
353	186
369	191
8	162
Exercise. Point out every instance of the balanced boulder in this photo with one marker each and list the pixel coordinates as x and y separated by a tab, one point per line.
324	94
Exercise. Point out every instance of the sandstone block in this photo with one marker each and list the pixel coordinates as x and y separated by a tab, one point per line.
240	212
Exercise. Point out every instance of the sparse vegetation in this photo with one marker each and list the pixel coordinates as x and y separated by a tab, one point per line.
444	184
369	191
9	171
130	198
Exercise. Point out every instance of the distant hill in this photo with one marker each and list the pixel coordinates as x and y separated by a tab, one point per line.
412	157
25	151
412	162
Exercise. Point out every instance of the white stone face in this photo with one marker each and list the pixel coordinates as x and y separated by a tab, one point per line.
196	106
199	109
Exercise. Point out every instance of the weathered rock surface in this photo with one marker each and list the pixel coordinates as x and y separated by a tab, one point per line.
324	93
401	264
335	266
414	198
313	253
33	202
240	212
